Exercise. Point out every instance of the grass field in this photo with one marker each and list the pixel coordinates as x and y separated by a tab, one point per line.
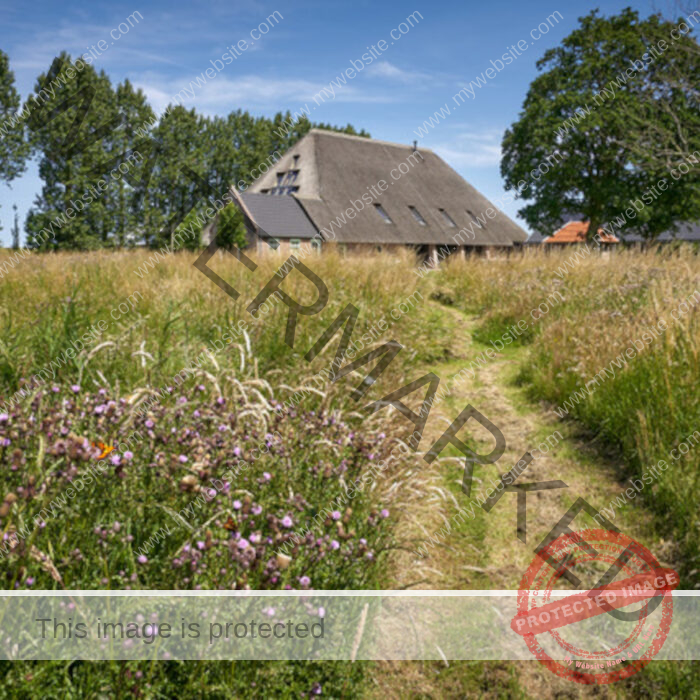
188	386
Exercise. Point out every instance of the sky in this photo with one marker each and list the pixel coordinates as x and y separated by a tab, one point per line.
415	57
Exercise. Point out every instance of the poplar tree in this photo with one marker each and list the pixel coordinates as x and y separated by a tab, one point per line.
70	133
13	145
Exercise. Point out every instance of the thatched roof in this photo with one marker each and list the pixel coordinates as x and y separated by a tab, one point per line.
336	169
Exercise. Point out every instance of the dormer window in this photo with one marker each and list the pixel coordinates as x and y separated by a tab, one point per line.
448	219
296	161
383	214
417	216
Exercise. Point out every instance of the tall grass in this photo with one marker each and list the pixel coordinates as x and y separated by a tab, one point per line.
578	322
200	429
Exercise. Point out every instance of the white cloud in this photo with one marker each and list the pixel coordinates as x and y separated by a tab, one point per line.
473	148
384	69
222	93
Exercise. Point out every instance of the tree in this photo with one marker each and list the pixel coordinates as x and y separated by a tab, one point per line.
13	146
573	131
664	134
70	130
172	195
230	228
134	158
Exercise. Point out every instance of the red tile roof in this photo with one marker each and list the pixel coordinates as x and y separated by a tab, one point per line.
575	232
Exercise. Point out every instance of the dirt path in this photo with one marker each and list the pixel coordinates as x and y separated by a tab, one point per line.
484	552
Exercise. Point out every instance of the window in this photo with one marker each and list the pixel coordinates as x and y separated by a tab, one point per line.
294	243
417	216
292	190
383	214
291	177
296	160
280	178
315	245
448	219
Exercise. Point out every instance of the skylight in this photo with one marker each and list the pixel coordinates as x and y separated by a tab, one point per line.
383	214
417	216
448	219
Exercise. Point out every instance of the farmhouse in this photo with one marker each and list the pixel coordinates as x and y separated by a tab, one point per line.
368	195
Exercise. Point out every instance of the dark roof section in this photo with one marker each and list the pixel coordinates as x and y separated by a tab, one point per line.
685	232
280	216
535	238
338	169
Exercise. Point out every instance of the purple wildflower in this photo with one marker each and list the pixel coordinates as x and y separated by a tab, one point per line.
336	515
287	521
142	559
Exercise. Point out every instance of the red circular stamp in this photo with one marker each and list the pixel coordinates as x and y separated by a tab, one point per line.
630	634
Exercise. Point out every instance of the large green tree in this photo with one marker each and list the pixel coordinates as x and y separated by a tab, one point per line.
570	152
664	134
13	145
134	157
70	131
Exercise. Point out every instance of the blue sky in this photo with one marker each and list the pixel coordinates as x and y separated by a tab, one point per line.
173	42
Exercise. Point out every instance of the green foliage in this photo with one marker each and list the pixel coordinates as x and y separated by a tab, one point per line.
580	135
13	146
82	216
231	229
